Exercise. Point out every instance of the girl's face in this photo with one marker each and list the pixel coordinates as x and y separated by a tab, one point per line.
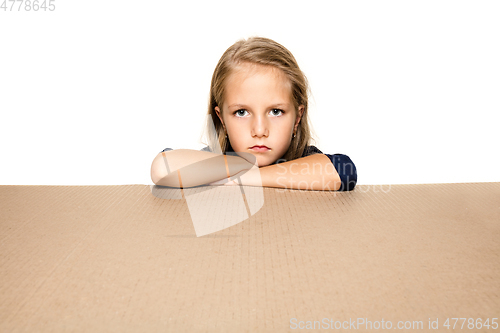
258	112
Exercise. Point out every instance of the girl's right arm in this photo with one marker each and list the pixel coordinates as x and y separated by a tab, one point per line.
187	168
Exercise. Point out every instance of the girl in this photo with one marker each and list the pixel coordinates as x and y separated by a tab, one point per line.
258	109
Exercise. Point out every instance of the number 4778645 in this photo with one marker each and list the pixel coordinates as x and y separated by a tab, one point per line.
29	5
471	323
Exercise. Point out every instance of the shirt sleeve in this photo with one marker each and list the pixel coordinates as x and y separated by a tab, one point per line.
203	149
346	170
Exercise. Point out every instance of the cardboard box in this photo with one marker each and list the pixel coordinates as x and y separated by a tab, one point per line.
124	259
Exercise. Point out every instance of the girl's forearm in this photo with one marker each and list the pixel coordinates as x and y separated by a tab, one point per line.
314	172
187	168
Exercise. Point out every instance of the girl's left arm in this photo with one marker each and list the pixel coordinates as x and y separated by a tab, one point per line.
314	172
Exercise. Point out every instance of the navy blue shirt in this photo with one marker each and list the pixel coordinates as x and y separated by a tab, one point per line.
342	163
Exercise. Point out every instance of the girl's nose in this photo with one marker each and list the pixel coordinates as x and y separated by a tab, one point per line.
260	127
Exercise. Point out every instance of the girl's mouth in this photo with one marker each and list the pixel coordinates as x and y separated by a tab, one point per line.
260	149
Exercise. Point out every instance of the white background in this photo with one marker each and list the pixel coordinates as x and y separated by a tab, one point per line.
91	92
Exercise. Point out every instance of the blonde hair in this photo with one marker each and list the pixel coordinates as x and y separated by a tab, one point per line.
261	51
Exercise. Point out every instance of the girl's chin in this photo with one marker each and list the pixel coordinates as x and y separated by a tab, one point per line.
261	160
251	158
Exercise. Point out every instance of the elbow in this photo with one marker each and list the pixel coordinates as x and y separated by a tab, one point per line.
160	174
347	172
157	170
351	183
350	179
154	176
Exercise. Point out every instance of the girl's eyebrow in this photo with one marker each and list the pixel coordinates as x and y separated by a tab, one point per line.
279	105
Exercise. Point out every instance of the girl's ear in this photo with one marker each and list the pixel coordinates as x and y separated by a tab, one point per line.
219	114
300	111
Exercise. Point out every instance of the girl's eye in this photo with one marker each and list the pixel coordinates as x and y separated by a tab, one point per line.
240	113
277	112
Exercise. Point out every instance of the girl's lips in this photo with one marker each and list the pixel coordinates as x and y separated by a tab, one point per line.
259	148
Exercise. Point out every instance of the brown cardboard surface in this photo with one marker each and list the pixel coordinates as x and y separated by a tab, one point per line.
117	258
